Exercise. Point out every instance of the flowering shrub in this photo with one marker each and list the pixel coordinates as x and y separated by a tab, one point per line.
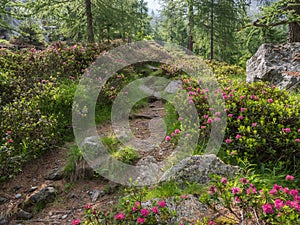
32	131
242	201
263	125
6	159
58	60
37	89
130	210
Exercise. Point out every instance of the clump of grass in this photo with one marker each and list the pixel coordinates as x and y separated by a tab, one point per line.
126	155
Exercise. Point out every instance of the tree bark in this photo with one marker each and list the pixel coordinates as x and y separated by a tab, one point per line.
89	17
294	27
190	25
212	30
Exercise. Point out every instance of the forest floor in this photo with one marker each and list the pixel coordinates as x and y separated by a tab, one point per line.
72	196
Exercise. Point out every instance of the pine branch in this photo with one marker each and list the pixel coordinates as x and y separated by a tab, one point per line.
258	24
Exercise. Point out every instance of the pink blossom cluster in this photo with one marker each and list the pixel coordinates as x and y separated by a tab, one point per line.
144	212
282	196
176	132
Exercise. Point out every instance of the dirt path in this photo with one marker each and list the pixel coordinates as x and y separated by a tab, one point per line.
71	197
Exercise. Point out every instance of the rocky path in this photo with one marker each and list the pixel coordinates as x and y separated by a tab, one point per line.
41	195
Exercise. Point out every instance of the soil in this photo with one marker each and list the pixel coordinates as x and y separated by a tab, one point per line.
73	196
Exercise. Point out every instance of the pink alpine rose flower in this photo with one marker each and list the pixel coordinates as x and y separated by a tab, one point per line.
228	140
224	180
267	208
140	220
240	117
244	180
144	212
155	210
238	136
120	216
75	222
235	190
289	177
88	206
254	124
177	131
212	190
278	203
162	204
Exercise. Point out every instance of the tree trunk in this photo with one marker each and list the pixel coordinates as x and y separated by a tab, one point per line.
108	34
190	25
89	17
294	27
212	30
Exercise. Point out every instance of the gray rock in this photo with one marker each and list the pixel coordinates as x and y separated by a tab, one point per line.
2	220
153	68
55	174
187	210
174	86
18	196
16	188
199	168
93	150
42	196
96	194
23	215
32	189
149	169
2	200
278	64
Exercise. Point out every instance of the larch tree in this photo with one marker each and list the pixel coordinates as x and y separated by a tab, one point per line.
209	26
279	13
92	20
89	19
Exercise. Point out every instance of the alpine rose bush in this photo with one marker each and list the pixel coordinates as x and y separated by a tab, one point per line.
246	202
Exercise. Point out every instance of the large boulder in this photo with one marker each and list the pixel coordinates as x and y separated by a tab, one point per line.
278	64
199	168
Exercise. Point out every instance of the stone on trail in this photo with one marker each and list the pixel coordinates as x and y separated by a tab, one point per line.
17	196
96	194
55	174
2	200
3	221
23	215
42	196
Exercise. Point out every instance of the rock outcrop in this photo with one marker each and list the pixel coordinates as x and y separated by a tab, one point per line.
188	209
199	168
278	64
